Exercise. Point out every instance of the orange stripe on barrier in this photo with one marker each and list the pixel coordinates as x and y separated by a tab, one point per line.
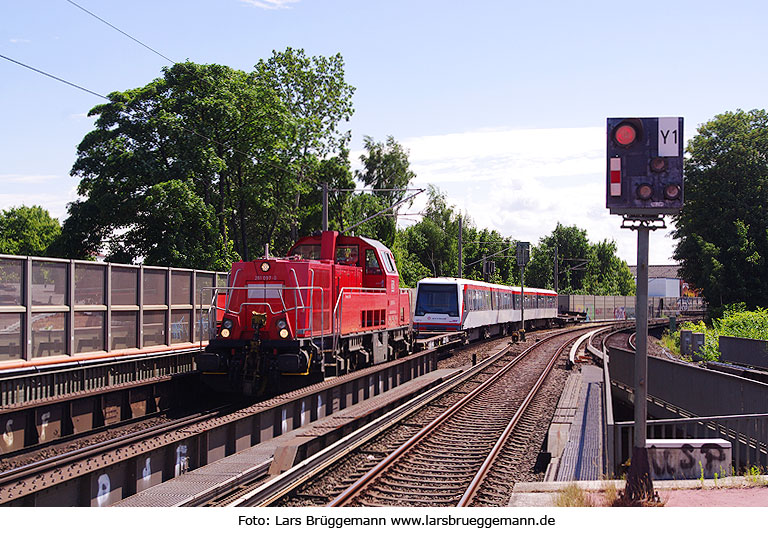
63	359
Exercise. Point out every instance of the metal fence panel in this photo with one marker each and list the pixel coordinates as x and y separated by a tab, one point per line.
55	307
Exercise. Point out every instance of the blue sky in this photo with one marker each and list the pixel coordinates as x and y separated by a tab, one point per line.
502	104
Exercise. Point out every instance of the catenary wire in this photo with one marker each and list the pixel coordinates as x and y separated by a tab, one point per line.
121	31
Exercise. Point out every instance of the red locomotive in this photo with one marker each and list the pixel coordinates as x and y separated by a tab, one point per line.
331	306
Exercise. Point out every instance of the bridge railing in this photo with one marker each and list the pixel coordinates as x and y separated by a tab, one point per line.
706	403
55	307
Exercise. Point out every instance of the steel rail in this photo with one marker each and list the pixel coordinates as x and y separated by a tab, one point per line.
15	475
474	485
361	484
280	486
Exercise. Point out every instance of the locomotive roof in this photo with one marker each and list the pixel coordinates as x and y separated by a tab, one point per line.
343	238
374	243
455	280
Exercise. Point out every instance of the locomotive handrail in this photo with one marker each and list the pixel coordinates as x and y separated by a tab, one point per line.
336	325
285	309
234	283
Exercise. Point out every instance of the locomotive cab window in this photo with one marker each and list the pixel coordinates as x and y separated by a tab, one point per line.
389	265
392	262
437	299
346	254
308	252
371	263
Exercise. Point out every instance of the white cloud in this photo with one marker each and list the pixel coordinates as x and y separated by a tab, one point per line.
17	40
270	4
522	182
27	179
48	191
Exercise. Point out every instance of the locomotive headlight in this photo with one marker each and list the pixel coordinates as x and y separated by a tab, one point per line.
227	324
281	324
265	266
283	333
225	333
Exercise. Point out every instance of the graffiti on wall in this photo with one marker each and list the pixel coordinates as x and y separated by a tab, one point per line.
688	461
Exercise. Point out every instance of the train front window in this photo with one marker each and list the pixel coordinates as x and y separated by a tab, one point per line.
346	254
307	251
437	299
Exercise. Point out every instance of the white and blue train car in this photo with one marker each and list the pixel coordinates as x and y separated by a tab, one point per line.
479	308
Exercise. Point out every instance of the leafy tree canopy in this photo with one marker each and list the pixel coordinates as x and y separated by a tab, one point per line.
27	231
722	231
231	152
583	267
385	168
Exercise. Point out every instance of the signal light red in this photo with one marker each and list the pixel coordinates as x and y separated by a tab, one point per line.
625	135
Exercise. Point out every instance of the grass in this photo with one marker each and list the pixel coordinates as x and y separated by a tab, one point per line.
573	496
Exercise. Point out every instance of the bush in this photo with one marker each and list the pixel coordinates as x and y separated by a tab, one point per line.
736	321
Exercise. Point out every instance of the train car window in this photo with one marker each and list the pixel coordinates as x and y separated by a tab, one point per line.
371	263
307	251
437	299
346	254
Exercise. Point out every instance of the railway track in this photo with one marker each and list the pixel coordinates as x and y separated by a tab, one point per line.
60	466
198	440
456	445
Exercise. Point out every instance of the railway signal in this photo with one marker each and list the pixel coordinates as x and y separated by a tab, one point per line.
644	167
644	182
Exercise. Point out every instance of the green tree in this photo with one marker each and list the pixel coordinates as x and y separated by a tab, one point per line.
722	230
174	227
316	98
385	168
584	268
572	244
234	151
606	273
433	242
27	231
211	128
364	206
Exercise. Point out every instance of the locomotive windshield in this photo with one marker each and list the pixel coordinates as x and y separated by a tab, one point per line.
437	299
307	251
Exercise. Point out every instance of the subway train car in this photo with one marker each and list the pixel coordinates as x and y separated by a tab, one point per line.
331	306
479	308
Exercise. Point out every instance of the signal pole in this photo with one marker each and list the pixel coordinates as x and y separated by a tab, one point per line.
461	261
523	254
639	483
